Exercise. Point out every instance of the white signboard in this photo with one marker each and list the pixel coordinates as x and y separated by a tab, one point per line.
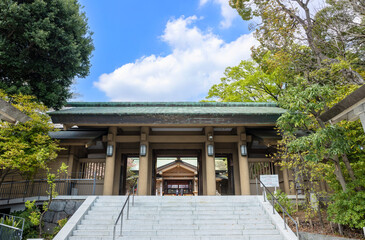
270	180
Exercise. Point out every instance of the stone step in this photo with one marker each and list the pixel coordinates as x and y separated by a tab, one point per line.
164	212
179	218
121	201
231	198
179	199
180	221
169	206
174	232
176	208
157	226
175	217
251	237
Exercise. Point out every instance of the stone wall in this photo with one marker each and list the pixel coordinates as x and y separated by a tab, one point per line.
313	236
60	209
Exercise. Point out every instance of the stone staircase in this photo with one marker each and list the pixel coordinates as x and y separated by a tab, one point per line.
188	218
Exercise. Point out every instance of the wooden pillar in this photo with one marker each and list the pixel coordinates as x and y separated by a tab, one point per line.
70	163
203	176
195	192
161	186
151	172
143	164
286	181
243	163
110	163
117	172
236	174
77	166
210	164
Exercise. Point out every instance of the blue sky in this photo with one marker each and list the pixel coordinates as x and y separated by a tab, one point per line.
160	50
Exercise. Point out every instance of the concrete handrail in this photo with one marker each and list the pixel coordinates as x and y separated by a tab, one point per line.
274	199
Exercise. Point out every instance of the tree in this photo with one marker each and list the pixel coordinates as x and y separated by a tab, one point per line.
44	45
322	53
253	81
326	55
36	216
331	38
26	148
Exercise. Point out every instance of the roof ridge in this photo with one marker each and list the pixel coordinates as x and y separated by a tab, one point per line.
174	162
171	104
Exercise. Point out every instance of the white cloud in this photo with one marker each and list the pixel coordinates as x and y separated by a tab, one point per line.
203	2
197	61
228	13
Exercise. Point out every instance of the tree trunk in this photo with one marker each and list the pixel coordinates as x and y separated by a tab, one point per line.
331	226
320	213
3	174
48	206
348	167
339	174
40	224
340	229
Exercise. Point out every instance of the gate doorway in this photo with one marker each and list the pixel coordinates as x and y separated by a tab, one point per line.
224	174
176	173
128	172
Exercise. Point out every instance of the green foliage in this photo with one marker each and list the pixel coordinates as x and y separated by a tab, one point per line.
348	207
243	10
35	216
322	144
251	82
29	230
7	220
26	148
34	212
310	61
51	236
61	223
338	31
44	45
283	199
354	131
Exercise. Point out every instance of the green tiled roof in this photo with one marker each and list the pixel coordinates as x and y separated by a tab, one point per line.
170	104
169	108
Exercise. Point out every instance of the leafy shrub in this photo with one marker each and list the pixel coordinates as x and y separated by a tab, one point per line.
283	199
7	220
29	230
348	208
61	223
